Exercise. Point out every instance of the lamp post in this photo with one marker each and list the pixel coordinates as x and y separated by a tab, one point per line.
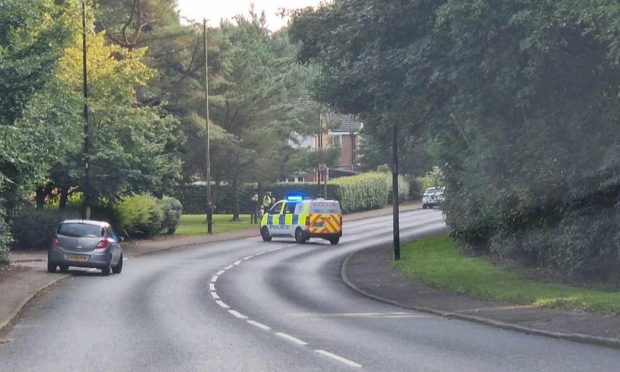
86	149
395	212
207	142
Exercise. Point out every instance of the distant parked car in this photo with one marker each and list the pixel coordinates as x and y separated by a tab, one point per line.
432	197
85	243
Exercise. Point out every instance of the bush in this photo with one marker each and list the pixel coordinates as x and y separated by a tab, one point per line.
172	211
140	216
5	241
33	228
362	192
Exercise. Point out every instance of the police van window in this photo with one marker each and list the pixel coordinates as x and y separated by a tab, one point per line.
290	208
276	208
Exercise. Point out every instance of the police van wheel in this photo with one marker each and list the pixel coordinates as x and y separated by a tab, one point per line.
299	236
335	240
264	233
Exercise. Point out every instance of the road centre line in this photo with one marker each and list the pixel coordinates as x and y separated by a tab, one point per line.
222	304
346	361
259	325
291	338
264	327
237	314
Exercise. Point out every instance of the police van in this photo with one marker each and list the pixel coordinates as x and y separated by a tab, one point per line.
303	219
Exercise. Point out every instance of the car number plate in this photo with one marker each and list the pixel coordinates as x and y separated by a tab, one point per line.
78	258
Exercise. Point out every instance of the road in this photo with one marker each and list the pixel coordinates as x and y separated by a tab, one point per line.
248	305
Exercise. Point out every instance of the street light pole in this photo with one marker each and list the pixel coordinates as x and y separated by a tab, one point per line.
207	142
86	150
395	212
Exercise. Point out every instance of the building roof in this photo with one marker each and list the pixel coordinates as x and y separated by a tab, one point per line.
343	123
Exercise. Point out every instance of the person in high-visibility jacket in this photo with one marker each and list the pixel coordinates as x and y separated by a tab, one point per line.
303	219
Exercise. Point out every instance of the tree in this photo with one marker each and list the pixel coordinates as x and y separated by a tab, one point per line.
520	100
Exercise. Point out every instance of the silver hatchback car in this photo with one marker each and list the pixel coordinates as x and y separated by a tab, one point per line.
85	243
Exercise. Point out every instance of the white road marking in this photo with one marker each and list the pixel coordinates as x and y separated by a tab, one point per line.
237	314
222	304
259	325
214	278
228	267
247	258
291	338
215	296
346	361
125	259
236	263
220	272
211	287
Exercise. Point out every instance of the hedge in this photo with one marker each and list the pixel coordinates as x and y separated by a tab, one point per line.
5	241
362	192
33	228
355	193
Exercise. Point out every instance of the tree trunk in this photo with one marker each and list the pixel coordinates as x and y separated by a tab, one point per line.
40	195
235	190
64	195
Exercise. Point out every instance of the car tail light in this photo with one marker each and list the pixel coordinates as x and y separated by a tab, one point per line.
308	218
56	242
103	244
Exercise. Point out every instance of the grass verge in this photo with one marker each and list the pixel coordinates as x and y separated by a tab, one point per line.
194	224
437	261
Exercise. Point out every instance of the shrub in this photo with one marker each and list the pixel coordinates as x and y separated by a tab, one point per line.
172	212
140	216
5	241
362	192
33	228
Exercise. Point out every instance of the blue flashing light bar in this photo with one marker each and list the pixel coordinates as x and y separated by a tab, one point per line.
294	198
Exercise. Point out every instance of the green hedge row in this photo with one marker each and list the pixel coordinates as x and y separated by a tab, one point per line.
355	193
136	216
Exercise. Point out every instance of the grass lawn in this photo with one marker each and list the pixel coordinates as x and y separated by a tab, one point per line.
437	261
194	224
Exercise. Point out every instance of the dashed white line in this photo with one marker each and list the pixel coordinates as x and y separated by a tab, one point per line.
222	304
247	258
291	338
214	278
236	263
346	361
211	287
215	296
220	272
259	325
228	267
237	314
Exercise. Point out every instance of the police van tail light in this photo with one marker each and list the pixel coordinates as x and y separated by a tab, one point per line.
308	219
340	222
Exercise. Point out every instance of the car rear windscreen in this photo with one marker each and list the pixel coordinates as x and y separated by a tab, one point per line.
80	230
325	207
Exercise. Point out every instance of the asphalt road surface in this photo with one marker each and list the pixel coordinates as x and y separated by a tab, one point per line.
247	305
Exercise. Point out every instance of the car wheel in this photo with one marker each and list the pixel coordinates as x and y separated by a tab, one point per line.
51	267
335	240
106	270
64	268
299	236
119	267
264	233
423	206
